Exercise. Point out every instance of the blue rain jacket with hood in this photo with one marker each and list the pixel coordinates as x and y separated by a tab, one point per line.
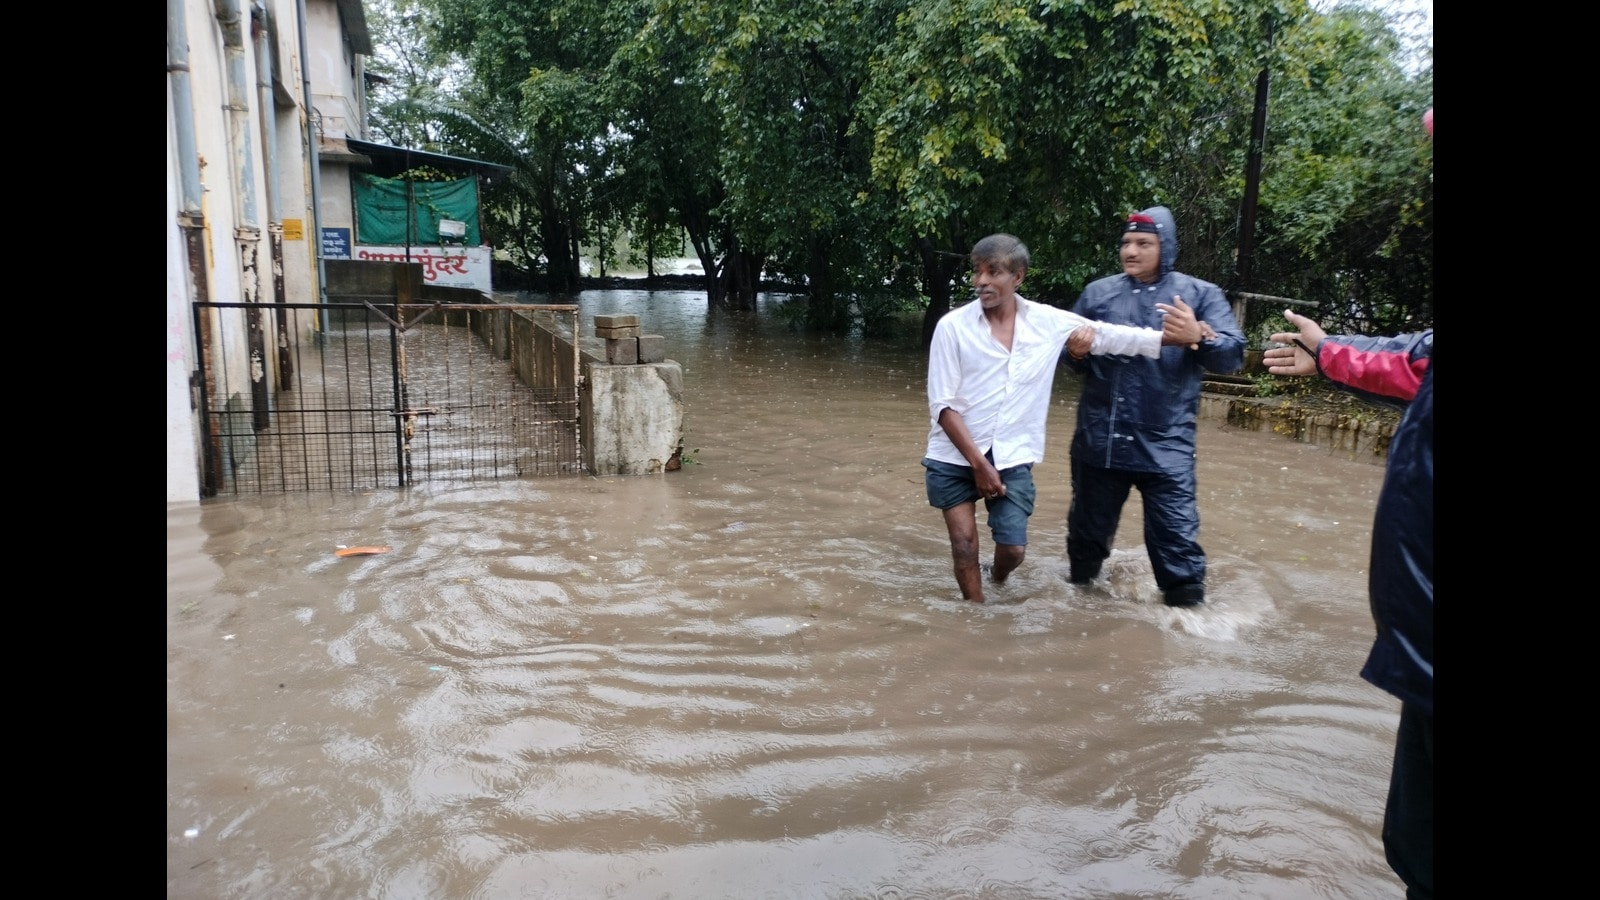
1138	414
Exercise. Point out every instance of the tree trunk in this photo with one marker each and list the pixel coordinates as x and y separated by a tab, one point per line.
710	271
650	253
827	313
560	265
938	274
741	278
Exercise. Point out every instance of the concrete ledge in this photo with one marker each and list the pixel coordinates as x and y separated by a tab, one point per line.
542	357
1341	432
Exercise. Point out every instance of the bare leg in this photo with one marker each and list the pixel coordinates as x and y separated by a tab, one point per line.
1006	559
962	522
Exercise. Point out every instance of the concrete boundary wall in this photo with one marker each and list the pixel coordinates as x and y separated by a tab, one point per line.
630	417
539	345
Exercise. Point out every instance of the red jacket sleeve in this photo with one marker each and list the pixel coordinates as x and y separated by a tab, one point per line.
1385	366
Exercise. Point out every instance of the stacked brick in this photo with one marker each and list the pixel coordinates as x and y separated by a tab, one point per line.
625	346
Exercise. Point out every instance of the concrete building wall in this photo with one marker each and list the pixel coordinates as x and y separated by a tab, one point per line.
300	241
183	439
227	217
336	70
242	88
293	178
338	206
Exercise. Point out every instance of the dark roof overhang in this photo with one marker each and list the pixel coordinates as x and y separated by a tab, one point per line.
390	162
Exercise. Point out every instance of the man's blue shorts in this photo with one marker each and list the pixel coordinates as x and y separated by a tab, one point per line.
951	485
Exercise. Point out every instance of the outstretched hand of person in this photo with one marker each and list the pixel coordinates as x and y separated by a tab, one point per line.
1300	357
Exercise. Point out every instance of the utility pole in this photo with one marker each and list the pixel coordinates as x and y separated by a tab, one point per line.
1244	265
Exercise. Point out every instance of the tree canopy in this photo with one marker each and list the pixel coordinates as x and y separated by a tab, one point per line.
859	147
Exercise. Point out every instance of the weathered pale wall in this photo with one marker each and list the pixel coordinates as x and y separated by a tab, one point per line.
632	417
335	72
541	351
254	180
183	439
231	167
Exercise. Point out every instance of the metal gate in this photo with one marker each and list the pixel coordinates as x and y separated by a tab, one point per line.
358	396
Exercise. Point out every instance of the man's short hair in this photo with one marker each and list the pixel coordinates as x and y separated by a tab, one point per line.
1002	250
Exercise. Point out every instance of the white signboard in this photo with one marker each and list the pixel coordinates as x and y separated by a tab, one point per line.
465	267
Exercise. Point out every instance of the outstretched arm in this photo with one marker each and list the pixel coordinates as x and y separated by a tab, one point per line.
1105	339
1389	368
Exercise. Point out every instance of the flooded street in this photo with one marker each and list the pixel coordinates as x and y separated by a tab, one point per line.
755	677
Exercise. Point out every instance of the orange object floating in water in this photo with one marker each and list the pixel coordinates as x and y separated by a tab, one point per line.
361	551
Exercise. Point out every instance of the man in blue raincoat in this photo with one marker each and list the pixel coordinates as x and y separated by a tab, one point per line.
1136	418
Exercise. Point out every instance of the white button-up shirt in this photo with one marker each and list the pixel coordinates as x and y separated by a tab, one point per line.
1004	395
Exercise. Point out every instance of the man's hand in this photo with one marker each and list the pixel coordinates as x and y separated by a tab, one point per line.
1178	324
984	474
1080	342
988	480
1300	357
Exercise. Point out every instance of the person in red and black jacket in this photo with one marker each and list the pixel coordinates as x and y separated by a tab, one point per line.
1400	578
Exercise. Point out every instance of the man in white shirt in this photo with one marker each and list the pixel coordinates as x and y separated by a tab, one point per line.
990	371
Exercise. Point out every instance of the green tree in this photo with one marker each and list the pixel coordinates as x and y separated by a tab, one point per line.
668	157
783	81
862	147
603	104
409	76
424	96
1046	119
537	72
1347	202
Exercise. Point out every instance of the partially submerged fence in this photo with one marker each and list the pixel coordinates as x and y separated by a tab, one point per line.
371	394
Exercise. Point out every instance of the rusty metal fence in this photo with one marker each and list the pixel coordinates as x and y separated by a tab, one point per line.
367	395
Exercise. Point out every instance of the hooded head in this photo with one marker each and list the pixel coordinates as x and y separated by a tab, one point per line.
1149	232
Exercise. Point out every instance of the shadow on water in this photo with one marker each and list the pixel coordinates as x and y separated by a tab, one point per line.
754	677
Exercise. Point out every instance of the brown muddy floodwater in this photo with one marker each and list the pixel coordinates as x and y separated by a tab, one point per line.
754	678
